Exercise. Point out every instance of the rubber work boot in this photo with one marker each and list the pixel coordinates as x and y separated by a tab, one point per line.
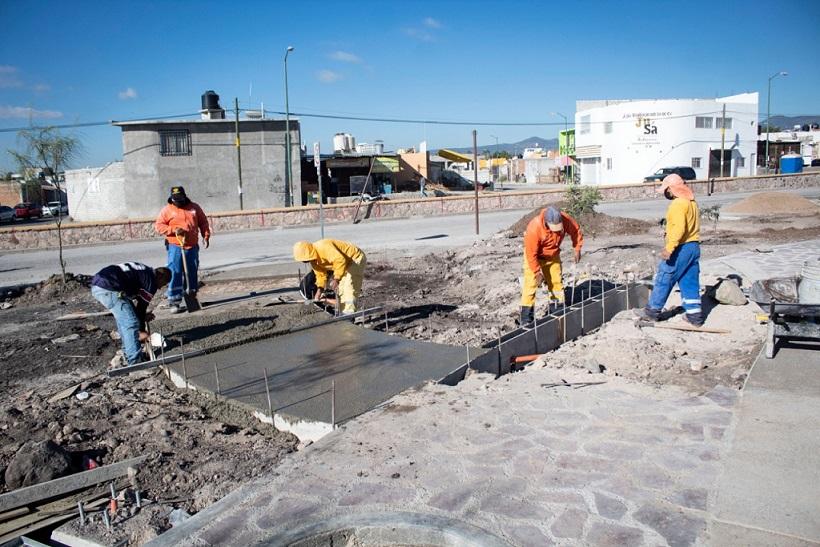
694	319
527	316
647	314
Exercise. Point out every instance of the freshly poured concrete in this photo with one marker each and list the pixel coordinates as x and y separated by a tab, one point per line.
769	494
368	368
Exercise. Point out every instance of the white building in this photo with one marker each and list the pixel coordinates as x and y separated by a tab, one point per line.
623	141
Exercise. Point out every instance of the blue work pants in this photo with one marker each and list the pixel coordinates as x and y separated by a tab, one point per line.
683	268
125	315
177	284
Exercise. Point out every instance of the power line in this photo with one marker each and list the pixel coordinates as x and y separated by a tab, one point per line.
90	124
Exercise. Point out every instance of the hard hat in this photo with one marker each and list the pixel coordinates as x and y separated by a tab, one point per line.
303	251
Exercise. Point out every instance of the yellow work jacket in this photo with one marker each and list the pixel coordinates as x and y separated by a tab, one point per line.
334	256
682	223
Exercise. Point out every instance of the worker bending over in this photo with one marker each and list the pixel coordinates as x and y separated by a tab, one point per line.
117	287
542	257
181	222
343	260
680	256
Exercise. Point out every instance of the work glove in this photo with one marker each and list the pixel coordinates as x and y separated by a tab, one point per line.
539	278
207	241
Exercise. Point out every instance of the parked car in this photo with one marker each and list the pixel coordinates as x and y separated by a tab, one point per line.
686	173
6	213
53	208
27	210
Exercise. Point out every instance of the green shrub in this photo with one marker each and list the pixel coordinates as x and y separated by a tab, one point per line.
581	199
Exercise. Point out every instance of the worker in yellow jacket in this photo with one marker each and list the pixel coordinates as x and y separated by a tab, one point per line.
680	257
343	260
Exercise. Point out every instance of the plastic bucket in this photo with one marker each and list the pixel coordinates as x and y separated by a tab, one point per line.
808	292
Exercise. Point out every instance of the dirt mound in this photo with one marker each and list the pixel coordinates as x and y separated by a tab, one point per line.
592	224
50	290
773	203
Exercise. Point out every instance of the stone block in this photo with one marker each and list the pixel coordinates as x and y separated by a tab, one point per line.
609	507
513	508
676	527
569	524
604	534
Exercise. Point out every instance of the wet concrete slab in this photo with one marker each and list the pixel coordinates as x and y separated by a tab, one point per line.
368	367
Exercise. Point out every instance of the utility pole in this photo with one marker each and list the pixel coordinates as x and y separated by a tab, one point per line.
288	175
238	152
769	112
475	176
722	138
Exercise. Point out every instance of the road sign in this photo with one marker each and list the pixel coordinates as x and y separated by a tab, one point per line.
317	161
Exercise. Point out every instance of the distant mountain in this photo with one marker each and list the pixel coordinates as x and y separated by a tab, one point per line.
788	122
516	147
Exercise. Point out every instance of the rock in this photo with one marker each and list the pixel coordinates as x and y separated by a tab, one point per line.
118	360
593	366
114	335
37	462
91	327
6	305
66	339
696	366
738	373
730	294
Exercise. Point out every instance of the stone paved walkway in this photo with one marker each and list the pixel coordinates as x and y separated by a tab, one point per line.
615	463
783	261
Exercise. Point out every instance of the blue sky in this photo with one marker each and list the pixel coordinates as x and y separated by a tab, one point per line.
74	62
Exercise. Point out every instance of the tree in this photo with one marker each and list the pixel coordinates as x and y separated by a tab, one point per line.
45	151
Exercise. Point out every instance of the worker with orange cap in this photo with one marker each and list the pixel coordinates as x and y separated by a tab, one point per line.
542	257
680	256
342	260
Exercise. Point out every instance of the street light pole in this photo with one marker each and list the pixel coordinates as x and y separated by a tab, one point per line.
288	186
769	111
566	140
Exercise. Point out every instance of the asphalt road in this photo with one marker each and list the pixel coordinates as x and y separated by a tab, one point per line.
231	251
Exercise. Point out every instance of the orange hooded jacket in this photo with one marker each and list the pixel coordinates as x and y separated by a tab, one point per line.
541	243
190	218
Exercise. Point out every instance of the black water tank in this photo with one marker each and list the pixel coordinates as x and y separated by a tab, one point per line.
210	100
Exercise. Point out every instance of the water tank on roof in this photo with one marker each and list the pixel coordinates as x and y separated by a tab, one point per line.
339	142
210	100
378	147
791	163
350	142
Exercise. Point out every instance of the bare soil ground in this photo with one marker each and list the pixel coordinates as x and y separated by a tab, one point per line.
200	449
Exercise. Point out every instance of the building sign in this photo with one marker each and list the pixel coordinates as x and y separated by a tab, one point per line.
382	164
341	163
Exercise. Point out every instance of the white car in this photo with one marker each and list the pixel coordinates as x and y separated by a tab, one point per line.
54	208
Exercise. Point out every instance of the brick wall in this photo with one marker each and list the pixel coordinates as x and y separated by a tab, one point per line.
9	193
45	236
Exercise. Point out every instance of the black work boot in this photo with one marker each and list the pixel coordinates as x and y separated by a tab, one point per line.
647	314
527	316
694	319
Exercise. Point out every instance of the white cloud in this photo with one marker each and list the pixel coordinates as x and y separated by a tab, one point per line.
9	77
429	22
328	76
419	34
345	57
26	113
128	93
41	88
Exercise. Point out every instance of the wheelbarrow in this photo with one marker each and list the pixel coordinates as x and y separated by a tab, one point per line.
789	319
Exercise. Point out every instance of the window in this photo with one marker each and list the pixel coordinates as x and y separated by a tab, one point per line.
175	143
609	164
585	125
696	163
741	161
607	127
703	122
727	123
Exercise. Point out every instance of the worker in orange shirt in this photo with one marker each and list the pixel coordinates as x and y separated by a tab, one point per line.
181	222
542	257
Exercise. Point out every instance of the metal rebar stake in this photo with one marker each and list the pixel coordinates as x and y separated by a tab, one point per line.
113	492
184	368
82	512
499	353
161	346
267	392
627	296
386	323
333	404
106	519
216	374
468	354
138	497
535	328
583	323
603	304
